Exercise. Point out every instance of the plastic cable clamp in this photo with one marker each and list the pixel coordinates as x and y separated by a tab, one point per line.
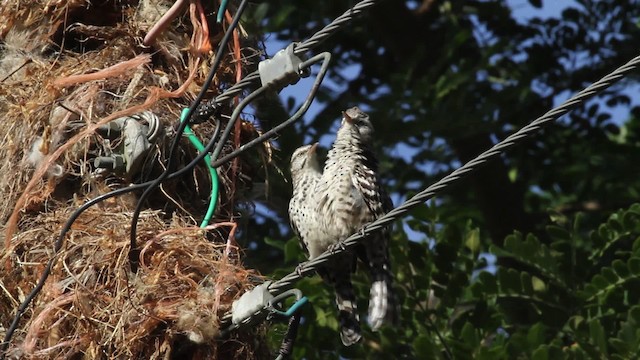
281	70
250	303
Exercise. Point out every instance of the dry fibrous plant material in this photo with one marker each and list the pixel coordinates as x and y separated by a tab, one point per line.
67	67
93	305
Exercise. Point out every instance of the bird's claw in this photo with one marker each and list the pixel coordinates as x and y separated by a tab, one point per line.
337	246
298	269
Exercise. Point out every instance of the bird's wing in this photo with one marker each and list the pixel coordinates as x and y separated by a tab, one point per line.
366	182
301	241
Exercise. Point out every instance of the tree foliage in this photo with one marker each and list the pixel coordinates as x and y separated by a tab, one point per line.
443	81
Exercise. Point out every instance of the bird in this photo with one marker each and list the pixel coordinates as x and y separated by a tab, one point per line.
303	216
350	195
305	173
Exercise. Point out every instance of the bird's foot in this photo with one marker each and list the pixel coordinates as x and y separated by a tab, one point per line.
337	246
299	269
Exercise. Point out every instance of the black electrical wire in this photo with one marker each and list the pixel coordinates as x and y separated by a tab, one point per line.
133	251
289	340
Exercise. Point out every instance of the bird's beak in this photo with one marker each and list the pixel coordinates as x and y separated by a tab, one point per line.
313	148
347	118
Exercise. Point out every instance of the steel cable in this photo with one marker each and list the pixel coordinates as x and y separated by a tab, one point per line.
306	268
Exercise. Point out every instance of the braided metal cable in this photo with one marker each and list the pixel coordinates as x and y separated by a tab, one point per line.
308	267
334	26
302	48
237	88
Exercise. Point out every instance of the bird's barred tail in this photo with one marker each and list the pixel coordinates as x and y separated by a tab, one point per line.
347	313
338	274
383	303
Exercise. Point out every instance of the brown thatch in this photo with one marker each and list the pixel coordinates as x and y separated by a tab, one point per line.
66	67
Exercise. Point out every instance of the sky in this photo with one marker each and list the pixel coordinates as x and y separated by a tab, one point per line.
523	10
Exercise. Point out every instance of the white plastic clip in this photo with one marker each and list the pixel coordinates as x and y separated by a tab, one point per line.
282	70
250	303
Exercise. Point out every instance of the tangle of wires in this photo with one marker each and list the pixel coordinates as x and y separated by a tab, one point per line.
154	184
149	186
200	112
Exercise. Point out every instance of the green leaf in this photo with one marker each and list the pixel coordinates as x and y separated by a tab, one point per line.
555	352
509	280
610	275
635	248
541	353
619	345
575	352
558	233
615	224
575	322
472	240
278	244
630	220
536	335
634	265
489	282
596	238
423	212
260	11
450	82
589	290
532	252
469	336
512	242
321	316
527	283
599	281
620	268
538	284
596	331
282	15
604	233
291	250
424	347
634	313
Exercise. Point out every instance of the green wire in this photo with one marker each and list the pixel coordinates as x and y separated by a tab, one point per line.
214	175
221	10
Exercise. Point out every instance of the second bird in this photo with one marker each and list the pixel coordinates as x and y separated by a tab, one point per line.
339	202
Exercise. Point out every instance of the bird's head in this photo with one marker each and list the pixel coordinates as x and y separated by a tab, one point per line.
360	120
304	159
